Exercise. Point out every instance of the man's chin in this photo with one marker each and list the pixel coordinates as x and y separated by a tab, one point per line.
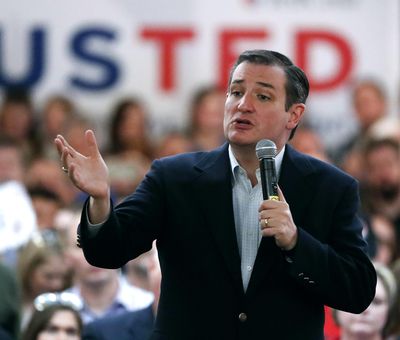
241	141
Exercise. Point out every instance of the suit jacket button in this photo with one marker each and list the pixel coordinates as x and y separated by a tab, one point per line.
242	317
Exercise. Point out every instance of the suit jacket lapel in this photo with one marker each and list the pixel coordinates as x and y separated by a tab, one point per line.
214	195
293	183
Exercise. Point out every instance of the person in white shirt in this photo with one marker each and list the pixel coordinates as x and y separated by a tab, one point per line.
103	292
17	216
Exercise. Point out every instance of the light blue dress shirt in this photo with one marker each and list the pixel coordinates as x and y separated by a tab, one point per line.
246	202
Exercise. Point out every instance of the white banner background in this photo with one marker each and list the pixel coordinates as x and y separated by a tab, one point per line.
369	27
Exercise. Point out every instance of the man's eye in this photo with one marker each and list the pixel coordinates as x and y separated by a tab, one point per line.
236	93
263	97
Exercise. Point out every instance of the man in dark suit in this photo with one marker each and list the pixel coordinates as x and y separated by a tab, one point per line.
235	266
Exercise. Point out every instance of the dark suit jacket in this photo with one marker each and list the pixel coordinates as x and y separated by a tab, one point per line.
185	202
128	326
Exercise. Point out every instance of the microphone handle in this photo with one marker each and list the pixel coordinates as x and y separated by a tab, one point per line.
269	181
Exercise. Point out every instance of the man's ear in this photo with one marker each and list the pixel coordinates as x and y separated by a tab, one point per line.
296	112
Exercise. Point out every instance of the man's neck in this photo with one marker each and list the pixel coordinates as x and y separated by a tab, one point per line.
247	159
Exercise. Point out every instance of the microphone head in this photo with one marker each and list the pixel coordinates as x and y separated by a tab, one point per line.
265	148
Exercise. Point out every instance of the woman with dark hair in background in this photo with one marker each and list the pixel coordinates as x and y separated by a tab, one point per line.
130	152
55	317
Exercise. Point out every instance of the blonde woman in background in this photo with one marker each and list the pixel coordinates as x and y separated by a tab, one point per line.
374	322
41	268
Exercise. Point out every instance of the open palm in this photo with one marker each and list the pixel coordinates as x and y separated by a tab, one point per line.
88	173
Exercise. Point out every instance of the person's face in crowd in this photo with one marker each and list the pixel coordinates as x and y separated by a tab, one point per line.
309	142
210	112
372	320
16	120
11	167
383	172
369	105
385	234
83	271
46	173
174	144
132	126
49	276
55	116
255	106
46	211
62	325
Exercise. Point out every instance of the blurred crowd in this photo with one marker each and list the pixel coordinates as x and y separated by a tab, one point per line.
46	285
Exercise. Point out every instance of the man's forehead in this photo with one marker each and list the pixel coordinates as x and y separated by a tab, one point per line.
265	75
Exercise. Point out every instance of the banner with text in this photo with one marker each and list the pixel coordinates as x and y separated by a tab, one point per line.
97	51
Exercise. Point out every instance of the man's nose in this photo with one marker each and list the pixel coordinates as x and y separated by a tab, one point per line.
246	104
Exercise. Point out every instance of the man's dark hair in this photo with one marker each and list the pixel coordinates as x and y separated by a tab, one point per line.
17	95
296	87
43	192
373	144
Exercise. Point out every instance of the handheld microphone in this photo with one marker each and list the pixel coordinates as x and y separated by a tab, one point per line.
266	152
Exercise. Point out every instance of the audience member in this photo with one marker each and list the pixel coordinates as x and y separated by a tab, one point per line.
11	160
41	268
129	129
103	292
132	325
130	152
394	323
9	303
45	173
17	217
47	205
172	144
17	121
57	111
353	164
136	271
55	317
373	323
379	234
385	236
306	140
370	106
206	117
380	191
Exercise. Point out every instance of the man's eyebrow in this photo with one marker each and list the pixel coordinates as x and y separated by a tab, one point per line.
240	81
266	85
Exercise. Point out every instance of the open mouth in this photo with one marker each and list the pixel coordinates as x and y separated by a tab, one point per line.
242	122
